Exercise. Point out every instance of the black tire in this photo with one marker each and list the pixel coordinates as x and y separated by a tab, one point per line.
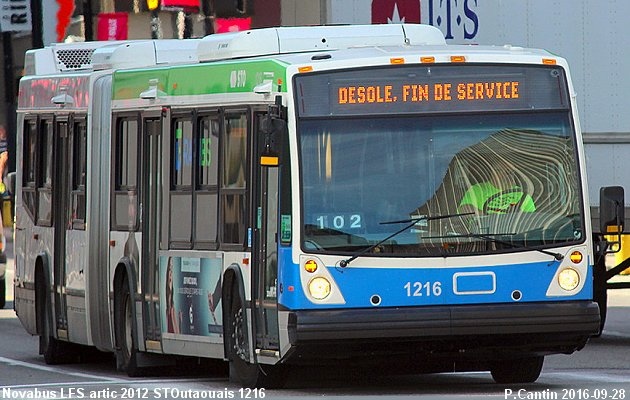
3	293
54	351
126	349
241	370
523	370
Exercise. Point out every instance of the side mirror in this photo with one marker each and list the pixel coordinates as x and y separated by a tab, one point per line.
611	210
274	130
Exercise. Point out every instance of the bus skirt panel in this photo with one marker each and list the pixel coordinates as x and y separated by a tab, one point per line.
492	329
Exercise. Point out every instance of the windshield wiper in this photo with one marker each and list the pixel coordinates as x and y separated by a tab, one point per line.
411	222
491	238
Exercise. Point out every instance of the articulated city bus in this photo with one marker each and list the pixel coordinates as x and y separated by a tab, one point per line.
304	195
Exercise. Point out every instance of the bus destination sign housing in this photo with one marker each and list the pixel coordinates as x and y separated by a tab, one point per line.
435	88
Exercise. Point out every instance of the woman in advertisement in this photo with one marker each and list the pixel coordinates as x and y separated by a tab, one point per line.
172	316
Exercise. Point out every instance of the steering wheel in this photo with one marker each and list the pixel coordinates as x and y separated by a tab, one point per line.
504	201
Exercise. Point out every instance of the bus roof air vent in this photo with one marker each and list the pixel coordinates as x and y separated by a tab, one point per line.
284	40
62	57
71	59
87	56
77	56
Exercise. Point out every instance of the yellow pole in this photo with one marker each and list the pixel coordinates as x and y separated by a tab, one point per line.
7	212
623	253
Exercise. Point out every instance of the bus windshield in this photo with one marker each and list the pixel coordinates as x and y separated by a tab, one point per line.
512	176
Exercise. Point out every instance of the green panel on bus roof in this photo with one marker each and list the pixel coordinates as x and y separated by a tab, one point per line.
129	84
190	80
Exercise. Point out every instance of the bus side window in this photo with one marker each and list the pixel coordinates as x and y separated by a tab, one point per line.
234	178
181	207
45	170
127	151
207	186
29	176
79	172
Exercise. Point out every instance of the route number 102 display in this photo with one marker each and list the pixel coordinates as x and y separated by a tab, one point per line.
339	221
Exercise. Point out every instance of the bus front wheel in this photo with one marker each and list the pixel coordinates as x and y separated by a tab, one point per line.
126	348
524	370
241	370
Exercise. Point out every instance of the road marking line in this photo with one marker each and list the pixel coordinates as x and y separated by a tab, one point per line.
59	370
64	384
587	377
112	381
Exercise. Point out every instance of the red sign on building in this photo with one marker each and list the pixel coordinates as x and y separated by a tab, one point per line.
395	11
112	26
232	24
189	6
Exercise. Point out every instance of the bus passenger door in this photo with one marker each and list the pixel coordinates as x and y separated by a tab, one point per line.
61	221
150	195
265	274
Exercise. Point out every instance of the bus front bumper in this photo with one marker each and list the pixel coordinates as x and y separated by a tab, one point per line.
542	328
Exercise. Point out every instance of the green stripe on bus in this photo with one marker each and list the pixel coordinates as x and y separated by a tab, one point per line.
199	79
130	85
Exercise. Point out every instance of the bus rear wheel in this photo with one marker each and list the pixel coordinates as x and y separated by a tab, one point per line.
241	370
523	370
123	317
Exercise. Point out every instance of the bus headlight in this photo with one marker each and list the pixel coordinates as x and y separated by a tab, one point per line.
319	288
568	279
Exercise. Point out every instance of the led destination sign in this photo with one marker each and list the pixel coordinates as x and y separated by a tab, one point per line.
464	91
420	89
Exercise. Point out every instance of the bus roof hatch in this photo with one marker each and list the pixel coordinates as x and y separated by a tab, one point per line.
282	40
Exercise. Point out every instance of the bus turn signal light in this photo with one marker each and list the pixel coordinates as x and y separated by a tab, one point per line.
576	257
310	266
